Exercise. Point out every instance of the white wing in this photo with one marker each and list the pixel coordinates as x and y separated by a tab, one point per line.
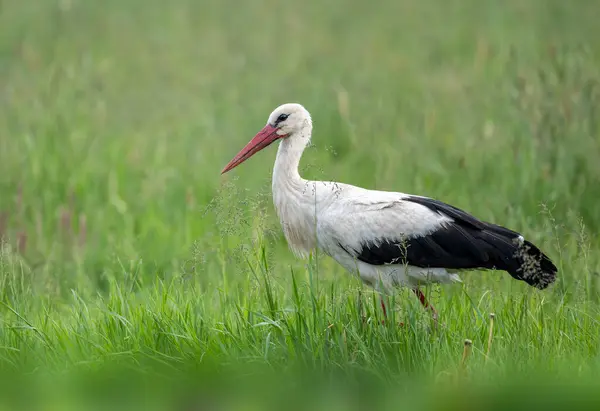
366	216
384	228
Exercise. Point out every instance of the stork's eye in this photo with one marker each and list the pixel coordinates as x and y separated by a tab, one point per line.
282	117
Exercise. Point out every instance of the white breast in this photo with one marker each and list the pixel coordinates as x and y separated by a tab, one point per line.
297	222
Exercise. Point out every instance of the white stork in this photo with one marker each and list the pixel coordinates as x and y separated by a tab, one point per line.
388	238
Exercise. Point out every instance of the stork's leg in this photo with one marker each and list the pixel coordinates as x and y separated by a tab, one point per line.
383	307
426	304
384	312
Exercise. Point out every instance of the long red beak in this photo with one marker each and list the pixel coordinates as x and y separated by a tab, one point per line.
264	138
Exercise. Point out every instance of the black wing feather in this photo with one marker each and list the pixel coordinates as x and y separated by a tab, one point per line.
465	243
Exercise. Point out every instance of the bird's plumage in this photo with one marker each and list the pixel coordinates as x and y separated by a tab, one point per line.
460	242
388	238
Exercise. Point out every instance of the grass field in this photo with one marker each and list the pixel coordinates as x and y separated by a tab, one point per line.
130	266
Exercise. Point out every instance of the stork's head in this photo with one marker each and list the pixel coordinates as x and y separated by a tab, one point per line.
288	121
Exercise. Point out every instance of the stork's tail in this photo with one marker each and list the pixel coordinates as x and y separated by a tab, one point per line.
528	262
536	268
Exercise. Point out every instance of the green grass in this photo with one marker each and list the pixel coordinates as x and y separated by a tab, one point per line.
124	249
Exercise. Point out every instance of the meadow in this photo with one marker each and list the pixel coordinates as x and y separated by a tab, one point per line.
131	269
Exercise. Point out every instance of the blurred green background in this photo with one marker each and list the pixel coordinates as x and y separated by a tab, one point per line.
122	239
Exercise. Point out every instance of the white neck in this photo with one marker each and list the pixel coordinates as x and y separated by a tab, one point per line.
293	201
285	171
